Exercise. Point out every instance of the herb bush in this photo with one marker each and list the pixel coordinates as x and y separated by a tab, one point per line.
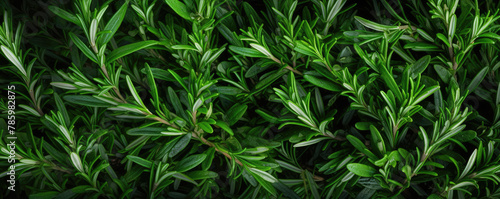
251	99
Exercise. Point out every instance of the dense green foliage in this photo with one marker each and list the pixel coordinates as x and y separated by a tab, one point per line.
251	99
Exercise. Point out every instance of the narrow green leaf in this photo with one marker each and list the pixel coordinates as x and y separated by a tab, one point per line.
190	162
248	52
200	175
83	47
264	175
64	14
268	80
360	146
421	46
444	73
310	142
323	83
134	92
86	100
180	8
152	86
235	113
419	66
147	131
425	35
424	94
184	177
113	25
469	165
490	35
477	79
361	169
375	26
224	126
179	79
205	126
140	161
443	39
127	49
391	83
362	126
77	162
180	145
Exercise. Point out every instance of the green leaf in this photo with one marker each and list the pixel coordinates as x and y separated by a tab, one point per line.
361	169
205	126
444	73
200	175
180	145
362	126
310	142
391	83
421	46
140	161
61	108
180	8
490	35
248	52
127	49
443	39
152	86
477	79
393	13
235	113
86	100
377	139
190	162
134	92
375	26
424	94
179	79
264	175
425	35
184	177
323	83
113	25
360	146
469	165
269	79
44	195
64	14
287	191
147	131
224	126
419	66
83	47
465	136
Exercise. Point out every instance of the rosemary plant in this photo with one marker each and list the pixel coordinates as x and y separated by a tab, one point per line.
250	99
